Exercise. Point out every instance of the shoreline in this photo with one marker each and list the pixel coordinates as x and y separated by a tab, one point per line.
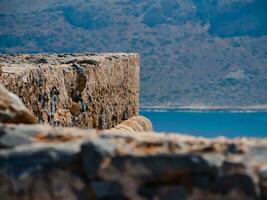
202	108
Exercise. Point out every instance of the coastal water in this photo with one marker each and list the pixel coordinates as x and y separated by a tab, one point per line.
209	123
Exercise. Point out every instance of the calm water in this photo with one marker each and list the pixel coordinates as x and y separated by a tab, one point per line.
210	124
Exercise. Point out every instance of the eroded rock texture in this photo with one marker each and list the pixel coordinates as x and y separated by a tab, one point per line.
82	90
51	163
12	110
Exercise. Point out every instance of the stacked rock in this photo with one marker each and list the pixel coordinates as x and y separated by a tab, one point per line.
134	125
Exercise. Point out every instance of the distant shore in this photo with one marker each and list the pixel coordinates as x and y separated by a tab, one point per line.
255	108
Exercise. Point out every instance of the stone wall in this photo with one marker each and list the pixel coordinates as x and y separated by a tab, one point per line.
79	90
43	162
49	163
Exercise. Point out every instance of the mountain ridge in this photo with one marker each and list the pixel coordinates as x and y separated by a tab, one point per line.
207	52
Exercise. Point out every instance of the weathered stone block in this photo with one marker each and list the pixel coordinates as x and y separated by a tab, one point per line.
82	90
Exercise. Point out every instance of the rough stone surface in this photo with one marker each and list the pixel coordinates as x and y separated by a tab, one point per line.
76	164
53	163
12	110
82	90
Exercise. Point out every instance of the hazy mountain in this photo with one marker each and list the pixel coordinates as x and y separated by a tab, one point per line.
211	52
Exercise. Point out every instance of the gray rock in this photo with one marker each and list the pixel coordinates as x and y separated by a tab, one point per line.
163	192
241	182
68	163
13	139
263	182
233	149
233	168
94	152
143	175
157	166
172	193
263	173
102	189
14	135
55	184
256	155
35	157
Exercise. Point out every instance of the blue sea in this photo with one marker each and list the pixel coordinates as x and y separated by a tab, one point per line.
209	123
